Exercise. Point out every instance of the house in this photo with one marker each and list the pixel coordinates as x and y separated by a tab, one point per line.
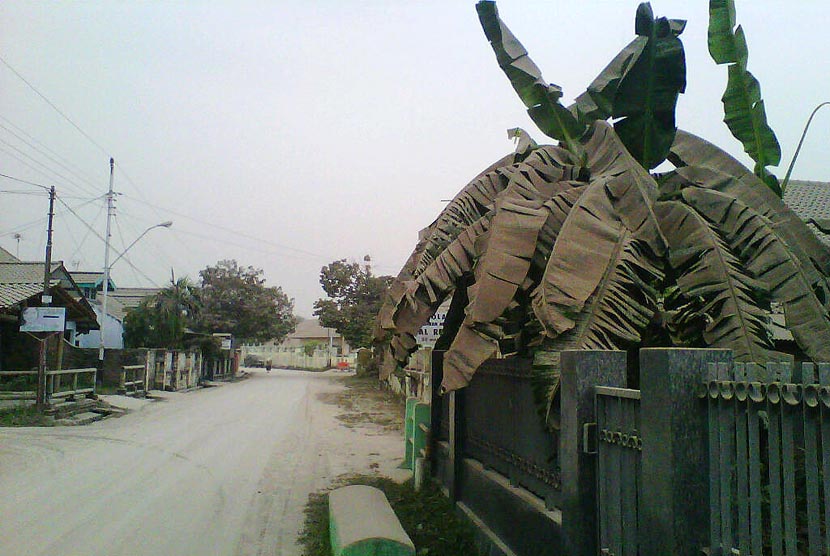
21	286
120	301
310	332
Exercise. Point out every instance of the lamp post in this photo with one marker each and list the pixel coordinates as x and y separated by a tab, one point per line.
107	269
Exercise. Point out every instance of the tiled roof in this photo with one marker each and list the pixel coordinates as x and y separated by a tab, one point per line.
6	257
87	277
24	272
131	297
810	200
14	293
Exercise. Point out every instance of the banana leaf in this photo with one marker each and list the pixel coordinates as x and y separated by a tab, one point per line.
769	259
620	195
743	108
708	166
421	297
718	303
540	98
646	96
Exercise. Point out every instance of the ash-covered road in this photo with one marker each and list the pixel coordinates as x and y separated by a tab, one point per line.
219	471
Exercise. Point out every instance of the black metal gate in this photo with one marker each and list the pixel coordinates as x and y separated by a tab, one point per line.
619	448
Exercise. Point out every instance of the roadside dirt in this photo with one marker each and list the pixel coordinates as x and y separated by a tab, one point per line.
365	405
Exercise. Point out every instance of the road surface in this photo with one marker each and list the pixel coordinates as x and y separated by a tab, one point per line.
217	471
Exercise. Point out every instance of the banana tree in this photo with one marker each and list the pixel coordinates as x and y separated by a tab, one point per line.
580	246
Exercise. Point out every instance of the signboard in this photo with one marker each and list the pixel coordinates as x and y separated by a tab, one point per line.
226	343
43	319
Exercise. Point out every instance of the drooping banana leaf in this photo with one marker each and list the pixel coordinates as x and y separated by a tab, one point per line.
646	96
621	193
540	98
693	156
522	232
423	295
718	304
613	317
470	204
769	259
743	108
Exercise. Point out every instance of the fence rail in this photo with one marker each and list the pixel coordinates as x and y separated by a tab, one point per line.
8	392
54	384
56	388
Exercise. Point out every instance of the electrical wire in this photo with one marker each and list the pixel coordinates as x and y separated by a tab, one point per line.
87	185
24	181
99	236
58	174
58	110
232	231
77	170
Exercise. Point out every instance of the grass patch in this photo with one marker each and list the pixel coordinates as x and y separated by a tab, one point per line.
427	516
25	416
106	389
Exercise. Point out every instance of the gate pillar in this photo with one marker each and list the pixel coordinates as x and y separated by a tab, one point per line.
674	495
580	372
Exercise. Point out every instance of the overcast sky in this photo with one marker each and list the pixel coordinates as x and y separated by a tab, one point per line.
286	135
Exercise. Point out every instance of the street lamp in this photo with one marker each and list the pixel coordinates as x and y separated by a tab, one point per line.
107	268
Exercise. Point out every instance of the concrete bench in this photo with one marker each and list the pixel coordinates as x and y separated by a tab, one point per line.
362	523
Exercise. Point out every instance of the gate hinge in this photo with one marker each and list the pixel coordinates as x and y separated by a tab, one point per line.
589	438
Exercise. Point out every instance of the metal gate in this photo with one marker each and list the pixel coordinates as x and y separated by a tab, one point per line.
619	449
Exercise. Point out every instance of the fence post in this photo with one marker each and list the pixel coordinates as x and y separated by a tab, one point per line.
580	372
674	495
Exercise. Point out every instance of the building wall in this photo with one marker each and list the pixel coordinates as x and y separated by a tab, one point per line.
113	334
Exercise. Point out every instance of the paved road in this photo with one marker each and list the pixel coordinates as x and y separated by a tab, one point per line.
218	471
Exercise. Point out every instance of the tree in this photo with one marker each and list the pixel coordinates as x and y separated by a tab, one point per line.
160	320
235	299
580	246
354	298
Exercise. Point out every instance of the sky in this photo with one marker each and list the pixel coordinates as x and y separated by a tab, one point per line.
289	134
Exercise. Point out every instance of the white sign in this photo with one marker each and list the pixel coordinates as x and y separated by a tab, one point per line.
226	343
43	319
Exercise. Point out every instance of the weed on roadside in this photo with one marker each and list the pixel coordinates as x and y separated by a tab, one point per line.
26	416
427	516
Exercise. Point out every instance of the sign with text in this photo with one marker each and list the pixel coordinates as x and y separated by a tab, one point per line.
43	319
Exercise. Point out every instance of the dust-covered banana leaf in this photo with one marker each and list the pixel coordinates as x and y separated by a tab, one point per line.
716	303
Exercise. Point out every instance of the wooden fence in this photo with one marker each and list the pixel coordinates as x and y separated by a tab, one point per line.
60	384
132	380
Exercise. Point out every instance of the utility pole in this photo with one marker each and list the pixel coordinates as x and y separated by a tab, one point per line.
106	267
45	300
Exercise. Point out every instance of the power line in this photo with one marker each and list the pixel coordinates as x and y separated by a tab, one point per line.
58	174
99	236
230	230
25	181
58	110
89	178
51	158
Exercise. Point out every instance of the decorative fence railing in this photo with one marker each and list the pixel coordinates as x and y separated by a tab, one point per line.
707	457
769	459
